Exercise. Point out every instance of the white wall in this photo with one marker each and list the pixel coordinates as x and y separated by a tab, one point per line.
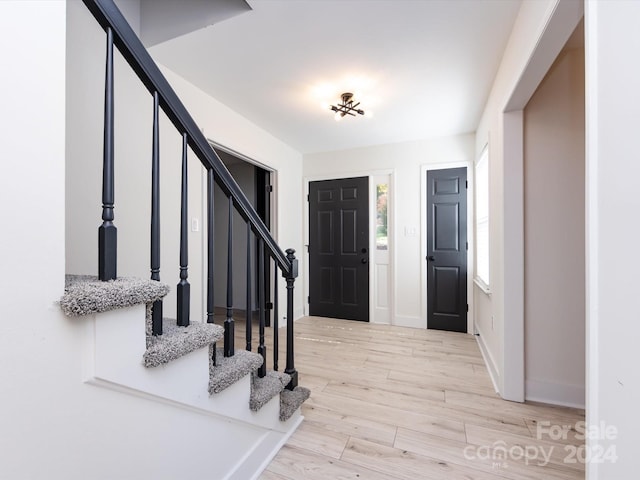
133	171
541	29
554	298
405	161
613	329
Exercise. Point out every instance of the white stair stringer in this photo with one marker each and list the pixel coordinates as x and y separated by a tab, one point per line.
115	348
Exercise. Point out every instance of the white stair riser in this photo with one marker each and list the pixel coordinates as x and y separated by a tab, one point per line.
118	339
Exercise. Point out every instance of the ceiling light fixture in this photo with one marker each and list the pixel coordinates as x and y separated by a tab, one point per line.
347	107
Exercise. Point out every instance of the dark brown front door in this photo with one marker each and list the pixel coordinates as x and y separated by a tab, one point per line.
447	249
339	248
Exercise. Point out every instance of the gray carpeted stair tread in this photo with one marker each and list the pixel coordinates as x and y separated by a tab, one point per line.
265	388
230	369
85	294
177	341
290	401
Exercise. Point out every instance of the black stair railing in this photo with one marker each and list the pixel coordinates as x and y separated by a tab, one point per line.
120	35
107	233
156	315
262	349
210	245
249	287
275	318
229	328
183	288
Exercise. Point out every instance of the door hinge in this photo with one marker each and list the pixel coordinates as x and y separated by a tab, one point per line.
467	307
466	184
269	305
307	197
467	245
308	299
269	188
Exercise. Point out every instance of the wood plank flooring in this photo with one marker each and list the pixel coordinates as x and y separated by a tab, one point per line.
397	403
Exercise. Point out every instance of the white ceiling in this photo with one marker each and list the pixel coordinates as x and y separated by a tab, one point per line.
161	20
423	67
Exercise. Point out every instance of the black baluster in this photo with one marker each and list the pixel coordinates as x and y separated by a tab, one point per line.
210	252
229	349
275	316
249	287
210	244
183	288
156	316
107	232
291	277
262	349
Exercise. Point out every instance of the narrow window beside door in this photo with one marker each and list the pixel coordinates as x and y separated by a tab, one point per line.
382	237
482	218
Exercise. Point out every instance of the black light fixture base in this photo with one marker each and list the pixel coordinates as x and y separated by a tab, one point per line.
347	106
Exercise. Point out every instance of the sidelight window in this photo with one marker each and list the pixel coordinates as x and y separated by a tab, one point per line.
482	217
382	237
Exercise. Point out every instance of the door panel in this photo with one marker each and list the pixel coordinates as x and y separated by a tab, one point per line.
447	249
338	248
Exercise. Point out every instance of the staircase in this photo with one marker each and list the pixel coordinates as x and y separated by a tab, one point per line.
132	344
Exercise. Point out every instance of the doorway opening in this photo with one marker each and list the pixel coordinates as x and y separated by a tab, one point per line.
257	184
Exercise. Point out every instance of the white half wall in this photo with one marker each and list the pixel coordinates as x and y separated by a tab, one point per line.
613	123
405	161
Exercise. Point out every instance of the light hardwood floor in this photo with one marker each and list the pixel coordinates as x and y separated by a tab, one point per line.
398	403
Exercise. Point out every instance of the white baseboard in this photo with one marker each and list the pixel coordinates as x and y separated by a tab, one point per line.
489	362
259	457
555	393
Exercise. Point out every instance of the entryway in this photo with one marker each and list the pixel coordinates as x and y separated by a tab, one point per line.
339	248
256	182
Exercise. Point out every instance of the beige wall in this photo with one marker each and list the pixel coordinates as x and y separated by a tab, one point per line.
554	234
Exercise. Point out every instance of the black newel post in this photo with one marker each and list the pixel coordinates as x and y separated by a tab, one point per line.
229	348
183	288
262	348
249	309
291	278
156	316
275	316
107	232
